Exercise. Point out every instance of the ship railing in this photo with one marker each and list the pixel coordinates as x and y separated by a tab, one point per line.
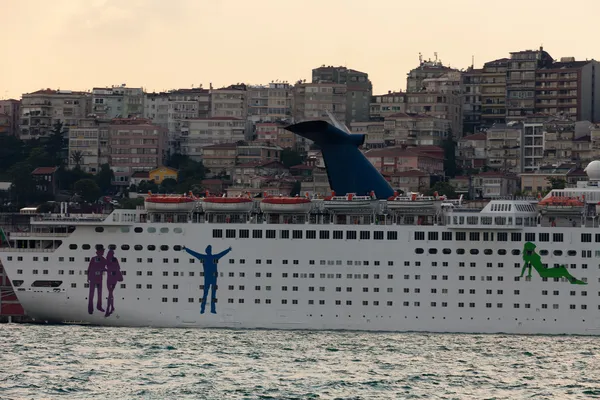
45	234
19	250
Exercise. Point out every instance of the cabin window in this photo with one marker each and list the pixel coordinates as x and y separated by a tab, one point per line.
432	236
325	235
515	252
461	236
52	284
338	235
432	251
138	230
177	230
176	247
99	229
419	235
392	235
230	233
151	247
125	229
284	234
350	235
86	246
419	251
542	253
73	247
271	234
296	234
474	252
112	247
515	237
164	230
474	236
257	234
472	220
558	237
138	247
151	229
365	235
447	251
530	237
544	237
244	233
311	234
571	253
217	233
557	253
447	236
460	251
486	220
586	237
488	252
502	236
124	247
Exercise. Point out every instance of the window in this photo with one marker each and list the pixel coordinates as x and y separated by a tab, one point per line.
365	235
419	235
217	233
378	235
230	233
271	234
350	235
323	234
392	235
257	234
311	234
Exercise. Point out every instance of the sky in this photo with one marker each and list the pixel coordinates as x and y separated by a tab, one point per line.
168	44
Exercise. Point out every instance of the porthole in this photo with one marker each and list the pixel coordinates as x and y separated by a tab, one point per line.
164	247
138	247
543	252
474	252
164	230
151	247
571	253
488	252
502	252
112	246
99	247
151	229
447	251
177	230
557	252
99	229
125	229
432	251
138	230
419	251
516	252
177	247
72	247
460	251
86	246
124	247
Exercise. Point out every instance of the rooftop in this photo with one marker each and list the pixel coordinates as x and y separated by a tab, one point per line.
44	170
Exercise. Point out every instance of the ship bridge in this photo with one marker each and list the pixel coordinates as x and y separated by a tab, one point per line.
497	214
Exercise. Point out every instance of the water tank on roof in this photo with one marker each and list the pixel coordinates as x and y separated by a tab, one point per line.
593	170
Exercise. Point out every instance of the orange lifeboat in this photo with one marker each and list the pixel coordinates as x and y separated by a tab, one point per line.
227	204
169	202
282	204
558	204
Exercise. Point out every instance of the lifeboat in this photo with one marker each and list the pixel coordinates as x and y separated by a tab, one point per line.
558	205
170	203
413	200
349	202
283	204
227	204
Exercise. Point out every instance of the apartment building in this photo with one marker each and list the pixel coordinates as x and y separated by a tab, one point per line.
493	92
569	88
89	144
359	89
471	108
200	132
118	102
415	129
503	147
272	102
135	145
167	109
444	106
42	109
374	132
10	113
521	83
218	158
471	151
274	133
229	102
398	159
427	69
383	105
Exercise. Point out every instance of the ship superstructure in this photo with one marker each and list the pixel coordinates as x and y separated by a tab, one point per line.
358	261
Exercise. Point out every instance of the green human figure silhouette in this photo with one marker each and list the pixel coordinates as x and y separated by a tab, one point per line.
532	259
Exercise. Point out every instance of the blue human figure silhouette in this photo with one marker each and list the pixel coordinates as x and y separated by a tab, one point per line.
209	261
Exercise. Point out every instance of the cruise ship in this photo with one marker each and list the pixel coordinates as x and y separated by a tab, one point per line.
364	258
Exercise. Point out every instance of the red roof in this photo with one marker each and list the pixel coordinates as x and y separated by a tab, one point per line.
302	166
44	170
140	174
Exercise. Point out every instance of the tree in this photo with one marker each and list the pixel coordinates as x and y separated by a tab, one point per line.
132	204
556	183
290	157
104	178
296	189
77	157
57	143
168	185
147	186
22	188
443	189
68	177
449	146
88	190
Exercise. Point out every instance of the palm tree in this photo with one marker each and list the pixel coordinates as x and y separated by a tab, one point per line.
77	157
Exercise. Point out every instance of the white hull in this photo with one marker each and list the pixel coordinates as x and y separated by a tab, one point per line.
409	279
172	207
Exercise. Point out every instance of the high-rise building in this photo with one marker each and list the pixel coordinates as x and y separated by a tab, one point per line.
471	108
42	109
521	81
358	90
390	103
10	112
201	132
272	102
229	102
493	92
118	102
89	144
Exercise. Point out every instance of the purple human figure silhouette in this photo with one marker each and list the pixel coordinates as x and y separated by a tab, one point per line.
113	275
209	262
95	273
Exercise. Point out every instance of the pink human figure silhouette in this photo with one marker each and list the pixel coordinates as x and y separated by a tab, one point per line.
95	273
113	275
